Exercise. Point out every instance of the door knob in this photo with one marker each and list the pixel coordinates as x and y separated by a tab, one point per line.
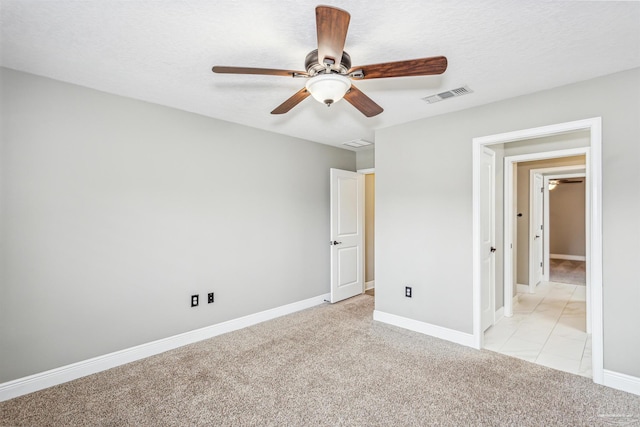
335	242
493	249
537	237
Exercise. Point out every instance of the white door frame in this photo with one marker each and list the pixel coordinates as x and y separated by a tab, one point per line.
367	285
557	172
547	178
509	233
492	239
594	245
367	171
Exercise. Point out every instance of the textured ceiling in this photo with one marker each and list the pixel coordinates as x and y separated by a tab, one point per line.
162	51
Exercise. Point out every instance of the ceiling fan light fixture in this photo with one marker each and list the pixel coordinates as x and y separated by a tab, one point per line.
328	68
328	88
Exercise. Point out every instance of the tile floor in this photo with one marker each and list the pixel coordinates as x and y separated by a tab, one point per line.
548	328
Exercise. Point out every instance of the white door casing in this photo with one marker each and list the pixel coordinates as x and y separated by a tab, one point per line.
536	221
487	232
347	234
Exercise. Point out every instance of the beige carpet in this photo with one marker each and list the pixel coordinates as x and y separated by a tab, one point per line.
327	366
568	271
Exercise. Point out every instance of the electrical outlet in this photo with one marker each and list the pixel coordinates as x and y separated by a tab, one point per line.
210	298
407	291
194	300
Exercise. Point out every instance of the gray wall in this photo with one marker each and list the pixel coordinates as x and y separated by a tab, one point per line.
567	220
115	211
365	158
577	139
424	206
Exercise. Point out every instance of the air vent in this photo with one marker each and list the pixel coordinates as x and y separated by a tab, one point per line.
448	94
357	143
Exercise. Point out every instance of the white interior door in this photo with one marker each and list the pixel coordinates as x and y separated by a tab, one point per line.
536	246
487	232
347	234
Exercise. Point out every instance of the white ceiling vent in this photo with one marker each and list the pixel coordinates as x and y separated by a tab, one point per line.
448	94
357	143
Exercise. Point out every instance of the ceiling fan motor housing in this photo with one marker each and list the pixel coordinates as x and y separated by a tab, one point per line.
314	67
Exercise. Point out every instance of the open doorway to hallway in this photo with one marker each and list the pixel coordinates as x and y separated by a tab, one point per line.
565	213
508	245
549	322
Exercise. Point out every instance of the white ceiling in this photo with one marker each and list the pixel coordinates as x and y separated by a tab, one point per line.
162	51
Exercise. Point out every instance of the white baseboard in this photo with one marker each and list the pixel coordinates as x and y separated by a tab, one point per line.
498	315
569	257
522	289
622	382
369	285
21	386
516	299
425	328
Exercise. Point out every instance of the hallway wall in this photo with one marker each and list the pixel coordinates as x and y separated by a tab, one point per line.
567	220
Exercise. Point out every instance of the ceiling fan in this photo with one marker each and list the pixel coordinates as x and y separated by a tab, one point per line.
329	71
553	183
569	181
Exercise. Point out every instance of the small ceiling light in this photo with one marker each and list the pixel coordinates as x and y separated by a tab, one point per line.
328	88
552	184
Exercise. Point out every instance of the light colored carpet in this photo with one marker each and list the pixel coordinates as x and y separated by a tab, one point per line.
568	271
330	365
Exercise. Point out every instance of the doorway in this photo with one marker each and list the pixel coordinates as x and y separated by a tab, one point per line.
352	238
346	239
594	243
551	175
569	213
369	230
549	323
523	232
565	237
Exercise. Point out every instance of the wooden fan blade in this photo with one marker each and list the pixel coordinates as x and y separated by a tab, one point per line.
287	105
263	71
331	25
411	67
362	102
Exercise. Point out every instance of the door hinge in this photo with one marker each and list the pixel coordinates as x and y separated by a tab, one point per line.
542	189
540	263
